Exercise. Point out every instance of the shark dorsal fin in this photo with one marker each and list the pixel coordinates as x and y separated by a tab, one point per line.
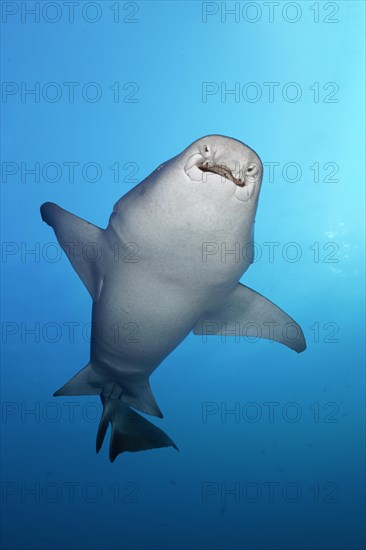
82	243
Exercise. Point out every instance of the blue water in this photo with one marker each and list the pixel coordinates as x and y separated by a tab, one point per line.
286	470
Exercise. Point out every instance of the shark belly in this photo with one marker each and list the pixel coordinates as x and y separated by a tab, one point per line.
138	321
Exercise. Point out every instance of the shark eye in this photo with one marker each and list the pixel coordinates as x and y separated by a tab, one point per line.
251	170
206	150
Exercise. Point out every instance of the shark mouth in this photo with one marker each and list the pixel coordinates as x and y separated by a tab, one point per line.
221	170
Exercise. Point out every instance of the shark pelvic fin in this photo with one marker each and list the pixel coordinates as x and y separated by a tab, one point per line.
82	243
130	431
85	382
139	396
247	313
88	381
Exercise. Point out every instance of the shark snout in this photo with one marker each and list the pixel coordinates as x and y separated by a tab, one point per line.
214	157
199	166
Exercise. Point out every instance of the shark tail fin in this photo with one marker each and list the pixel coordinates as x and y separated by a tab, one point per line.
130	431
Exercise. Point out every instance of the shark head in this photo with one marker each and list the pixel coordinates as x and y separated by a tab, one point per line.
211	187
226	164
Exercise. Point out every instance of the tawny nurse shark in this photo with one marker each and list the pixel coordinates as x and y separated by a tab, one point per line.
174	221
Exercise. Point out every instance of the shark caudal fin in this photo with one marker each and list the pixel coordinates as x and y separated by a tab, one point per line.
130	431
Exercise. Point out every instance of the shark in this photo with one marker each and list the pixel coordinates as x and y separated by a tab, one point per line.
155	276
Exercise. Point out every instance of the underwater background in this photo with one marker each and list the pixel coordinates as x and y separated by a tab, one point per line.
95	96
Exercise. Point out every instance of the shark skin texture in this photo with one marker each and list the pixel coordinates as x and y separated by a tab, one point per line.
156	276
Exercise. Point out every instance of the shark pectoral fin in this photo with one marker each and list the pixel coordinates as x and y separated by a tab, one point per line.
247	313
85	382
82	243
130	431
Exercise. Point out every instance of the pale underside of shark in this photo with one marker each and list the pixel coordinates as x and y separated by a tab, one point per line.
145	305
